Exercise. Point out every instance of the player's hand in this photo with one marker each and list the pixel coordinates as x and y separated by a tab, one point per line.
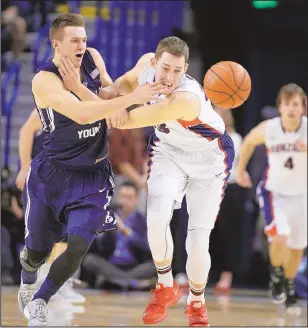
243	179
70	74
108	92
21	179
118	119
301	145
147	92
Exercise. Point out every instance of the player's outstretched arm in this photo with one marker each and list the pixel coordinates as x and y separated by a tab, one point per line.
25	145
49	91
128	82
179	105
254	138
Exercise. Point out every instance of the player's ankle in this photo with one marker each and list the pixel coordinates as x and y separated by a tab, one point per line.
165	276
194	298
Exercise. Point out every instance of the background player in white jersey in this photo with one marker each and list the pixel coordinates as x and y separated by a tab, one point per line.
283	191
190	153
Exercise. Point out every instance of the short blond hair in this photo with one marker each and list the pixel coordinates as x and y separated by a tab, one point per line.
174	46
290	90
64	20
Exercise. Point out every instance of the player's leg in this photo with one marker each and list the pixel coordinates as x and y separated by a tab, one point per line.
85	218
297	242
166	187
203	202
277	229
41	232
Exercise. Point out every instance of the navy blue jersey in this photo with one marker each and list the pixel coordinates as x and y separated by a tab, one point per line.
38	143
66	142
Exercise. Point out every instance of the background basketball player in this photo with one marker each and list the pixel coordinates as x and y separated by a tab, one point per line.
283	191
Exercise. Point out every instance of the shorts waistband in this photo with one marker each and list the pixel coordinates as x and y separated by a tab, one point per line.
102	163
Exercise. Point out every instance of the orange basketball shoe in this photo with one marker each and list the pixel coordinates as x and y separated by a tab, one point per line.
197	314
163	298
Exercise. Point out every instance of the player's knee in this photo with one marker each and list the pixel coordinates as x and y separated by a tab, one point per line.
159	212
77	247
198	240
31	260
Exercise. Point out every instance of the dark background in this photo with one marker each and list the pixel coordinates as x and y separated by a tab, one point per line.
271	43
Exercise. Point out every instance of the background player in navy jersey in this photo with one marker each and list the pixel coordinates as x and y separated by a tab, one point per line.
70	183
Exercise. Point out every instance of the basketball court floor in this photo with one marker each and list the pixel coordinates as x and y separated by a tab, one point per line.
243	308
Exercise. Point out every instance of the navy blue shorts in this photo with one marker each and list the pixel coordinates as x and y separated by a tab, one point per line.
58	202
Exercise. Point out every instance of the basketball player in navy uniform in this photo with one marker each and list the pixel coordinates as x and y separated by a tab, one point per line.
70	183
31	138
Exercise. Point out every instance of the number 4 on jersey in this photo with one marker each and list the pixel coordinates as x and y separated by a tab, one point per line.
289	163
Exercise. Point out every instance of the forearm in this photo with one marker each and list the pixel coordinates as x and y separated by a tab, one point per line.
84	94
87	112
122	85
246	152
128	170
25	146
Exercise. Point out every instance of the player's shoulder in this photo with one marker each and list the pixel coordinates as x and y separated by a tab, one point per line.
144	62
189	84
97	57
93	51
45	79
304	120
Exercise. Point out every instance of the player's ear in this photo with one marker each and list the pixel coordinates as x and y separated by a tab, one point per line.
55	45
153	62
186	67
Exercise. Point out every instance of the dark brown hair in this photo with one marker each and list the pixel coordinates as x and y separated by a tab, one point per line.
64	20
174	46
290	90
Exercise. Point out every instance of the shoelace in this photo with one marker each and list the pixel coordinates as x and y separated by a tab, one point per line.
27	295
158	296
195	312
39	313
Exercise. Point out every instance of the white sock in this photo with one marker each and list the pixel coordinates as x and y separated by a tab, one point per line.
195	294
165	275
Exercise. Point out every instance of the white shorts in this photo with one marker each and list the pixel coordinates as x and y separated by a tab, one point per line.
173	174
284	215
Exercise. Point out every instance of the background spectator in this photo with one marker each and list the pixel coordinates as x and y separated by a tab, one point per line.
131	264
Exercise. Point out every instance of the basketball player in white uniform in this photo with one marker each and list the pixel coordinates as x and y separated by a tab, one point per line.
190	153
283	190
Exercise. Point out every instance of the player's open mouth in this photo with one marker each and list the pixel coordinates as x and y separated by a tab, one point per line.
168	85
79	56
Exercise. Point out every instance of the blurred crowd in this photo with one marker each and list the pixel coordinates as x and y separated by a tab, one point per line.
122	259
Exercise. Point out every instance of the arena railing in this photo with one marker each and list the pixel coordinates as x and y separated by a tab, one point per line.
42	49
9	94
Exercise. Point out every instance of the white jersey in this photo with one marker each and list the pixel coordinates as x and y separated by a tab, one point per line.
286	173
196	135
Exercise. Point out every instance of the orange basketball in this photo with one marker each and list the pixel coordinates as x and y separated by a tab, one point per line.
227	84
